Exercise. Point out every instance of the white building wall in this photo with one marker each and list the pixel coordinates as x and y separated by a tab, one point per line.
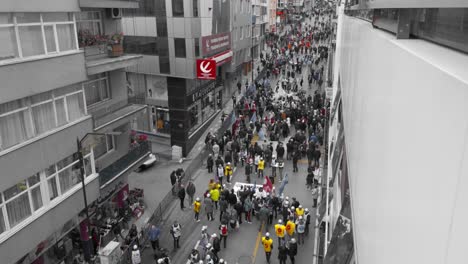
405	114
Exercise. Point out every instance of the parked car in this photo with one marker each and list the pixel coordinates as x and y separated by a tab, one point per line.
148	163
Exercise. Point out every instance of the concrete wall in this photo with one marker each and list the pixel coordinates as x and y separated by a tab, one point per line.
19	164
39	6
406	126
24	79
29	237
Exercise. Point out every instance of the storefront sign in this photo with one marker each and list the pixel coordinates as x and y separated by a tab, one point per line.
216	43
206	69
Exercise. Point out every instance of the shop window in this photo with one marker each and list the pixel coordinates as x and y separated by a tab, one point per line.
177	8
203	109
179	47
97	90
161	120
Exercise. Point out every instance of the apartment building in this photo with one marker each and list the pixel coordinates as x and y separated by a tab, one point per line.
58	86
397	189
260	23
272	5
171	35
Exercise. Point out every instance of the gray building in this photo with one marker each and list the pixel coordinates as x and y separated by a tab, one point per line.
61	80
260	21
171	35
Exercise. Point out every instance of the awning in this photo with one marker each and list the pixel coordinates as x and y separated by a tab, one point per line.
222	57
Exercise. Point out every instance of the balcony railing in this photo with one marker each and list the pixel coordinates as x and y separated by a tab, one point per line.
114	112
125	163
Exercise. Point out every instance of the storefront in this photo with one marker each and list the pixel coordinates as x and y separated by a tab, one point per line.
160	120
204	103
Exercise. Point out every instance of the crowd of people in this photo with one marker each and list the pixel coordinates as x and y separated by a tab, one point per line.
272	125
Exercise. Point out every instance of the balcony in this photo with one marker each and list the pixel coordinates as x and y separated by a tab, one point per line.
126	163
109	3
116	114
100	59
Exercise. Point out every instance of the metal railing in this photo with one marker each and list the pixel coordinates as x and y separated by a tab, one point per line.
110	112
111	171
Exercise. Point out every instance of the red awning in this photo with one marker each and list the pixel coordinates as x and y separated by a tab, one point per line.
222	57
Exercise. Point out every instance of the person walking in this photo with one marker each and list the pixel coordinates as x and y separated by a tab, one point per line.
267	243
300	227
248	209
282	254
173	181
176	232
228	172
196	209
280	230
261	167
292	250
223	205
190	190
290	228
153	237
220	173
223	233
214	193
210	163
315	194
248	170
307	218
181	195
208	204
136	256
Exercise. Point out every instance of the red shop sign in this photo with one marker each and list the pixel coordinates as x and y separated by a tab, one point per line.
206	69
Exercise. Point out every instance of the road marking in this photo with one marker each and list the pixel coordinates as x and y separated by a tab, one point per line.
257	244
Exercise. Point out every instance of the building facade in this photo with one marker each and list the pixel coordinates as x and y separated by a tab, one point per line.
392	95
58	86
171	35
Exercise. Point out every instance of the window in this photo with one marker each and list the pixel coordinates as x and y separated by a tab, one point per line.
32	34
195	8
89	22
197	47
241	29
140	45
164	65
161	26
179	47
96	90
178	8
102	145
27	118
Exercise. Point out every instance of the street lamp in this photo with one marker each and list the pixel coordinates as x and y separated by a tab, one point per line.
82	172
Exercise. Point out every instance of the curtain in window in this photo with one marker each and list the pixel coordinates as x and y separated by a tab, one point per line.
31	40
68	178
9	48
61	114
36	198
66	37
92	93
52	185
44	117
50	39
18	209
75	106
15	128
2	221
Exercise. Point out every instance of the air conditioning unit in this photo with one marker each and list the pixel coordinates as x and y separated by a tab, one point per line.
115	13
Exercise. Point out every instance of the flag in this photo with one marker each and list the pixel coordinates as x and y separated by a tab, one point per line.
267	185
283	184
253	119
233	118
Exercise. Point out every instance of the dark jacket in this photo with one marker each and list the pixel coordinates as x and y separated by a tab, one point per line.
191	189
292	251
181	193
173	178
232	198
209	162
282	253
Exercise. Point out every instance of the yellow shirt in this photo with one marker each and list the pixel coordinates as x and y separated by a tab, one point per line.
214	194
261	164
299	211
228	170
211	185
196	207
290	227
267	244
279	229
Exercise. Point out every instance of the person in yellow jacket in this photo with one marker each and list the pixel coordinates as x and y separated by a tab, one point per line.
196	209
261	167
290	228
280	230
211	184
267	245
299	211
214	193
228	172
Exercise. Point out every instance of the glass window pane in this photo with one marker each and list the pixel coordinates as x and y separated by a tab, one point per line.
31	40
6	18
53	191
60	108
92	93
51	170
179	46
9	47
99	146
2	221
69	177
33	180
36	197
195	8
28	17
66	37
164	65
50	39
65	162
75	106
15	128
44	118
178	8
87	166
197	47
161	26
14	190
18	209
110	142
56	17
